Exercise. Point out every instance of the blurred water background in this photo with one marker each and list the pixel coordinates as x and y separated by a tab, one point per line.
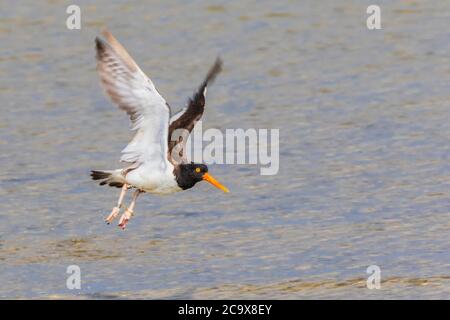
364	151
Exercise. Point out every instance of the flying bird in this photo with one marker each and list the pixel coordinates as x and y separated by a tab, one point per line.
155	159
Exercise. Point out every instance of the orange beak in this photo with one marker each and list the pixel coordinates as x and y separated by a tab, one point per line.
214	182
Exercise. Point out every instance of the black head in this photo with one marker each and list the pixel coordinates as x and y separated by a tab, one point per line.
188	174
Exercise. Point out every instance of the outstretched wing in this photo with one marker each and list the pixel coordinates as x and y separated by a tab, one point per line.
182	123
135	93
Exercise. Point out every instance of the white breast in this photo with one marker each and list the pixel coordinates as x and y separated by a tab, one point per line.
159	180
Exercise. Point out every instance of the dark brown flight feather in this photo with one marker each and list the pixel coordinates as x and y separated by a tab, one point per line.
193	113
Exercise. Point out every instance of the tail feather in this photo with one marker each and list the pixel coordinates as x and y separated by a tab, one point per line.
112	178
100	175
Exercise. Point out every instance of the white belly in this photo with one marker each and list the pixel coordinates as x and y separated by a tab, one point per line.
153	181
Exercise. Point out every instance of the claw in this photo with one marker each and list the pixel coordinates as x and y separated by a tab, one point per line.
123	223
125	218
114	213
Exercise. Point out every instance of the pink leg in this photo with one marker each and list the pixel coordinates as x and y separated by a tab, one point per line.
116	210
130	210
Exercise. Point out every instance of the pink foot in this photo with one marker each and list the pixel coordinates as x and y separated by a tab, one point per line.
125	218
113	215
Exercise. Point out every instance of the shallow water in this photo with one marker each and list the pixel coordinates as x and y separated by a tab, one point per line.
364	150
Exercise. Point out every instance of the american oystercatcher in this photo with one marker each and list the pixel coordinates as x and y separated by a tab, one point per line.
155	160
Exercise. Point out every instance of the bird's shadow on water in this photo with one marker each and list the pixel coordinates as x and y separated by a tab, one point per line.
184	294
191	214
184	214
103	296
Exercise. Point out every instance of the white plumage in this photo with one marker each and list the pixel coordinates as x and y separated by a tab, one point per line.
151	167
128	86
